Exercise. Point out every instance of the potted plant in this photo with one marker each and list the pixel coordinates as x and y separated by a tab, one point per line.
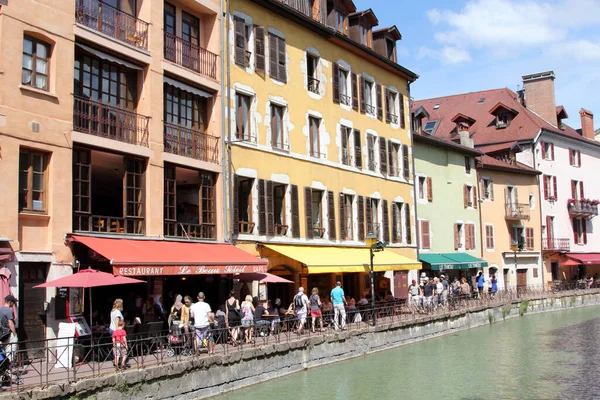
571	204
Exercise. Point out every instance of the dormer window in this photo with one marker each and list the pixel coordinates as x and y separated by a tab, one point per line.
503	120
390	47
337	14
360	24
364	36
463	122
504	115
339	22
384	41
430	127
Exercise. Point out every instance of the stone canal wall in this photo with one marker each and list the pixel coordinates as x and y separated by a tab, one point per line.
207	376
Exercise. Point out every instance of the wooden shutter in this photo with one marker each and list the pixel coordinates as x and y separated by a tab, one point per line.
361	218
336	83
573	189
575	233
386	221
456	237
543	145
236	209
402	113
545	178
584	229
273	63
362	95
295	212
262	214
395	235
331	215
270	209
345	155
579	158
369	219
343	233
281	60
390	155
240	41
529	238
429	189
491	190
571	156
259	48
405	165
383	156
466	195
354	79
474	192
379	101
425	242
581	194
407	222
357	149
555	189
472	236
467	237
549	228
308	212
552	151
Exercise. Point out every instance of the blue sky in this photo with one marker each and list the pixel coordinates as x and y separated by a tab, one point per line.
468	45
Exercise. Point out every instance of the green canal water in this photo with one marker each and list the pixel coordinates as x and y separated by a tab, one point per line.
545	356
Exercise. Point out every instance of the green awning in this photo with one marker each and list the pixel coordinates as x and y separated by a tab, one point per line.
449	261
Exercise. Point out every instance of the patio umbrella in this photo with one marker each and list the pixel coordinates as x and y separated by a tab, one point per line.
89	278
263	277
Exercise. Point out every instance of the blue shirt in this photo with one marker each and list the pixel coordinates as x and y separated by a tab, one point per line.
336	295
480	281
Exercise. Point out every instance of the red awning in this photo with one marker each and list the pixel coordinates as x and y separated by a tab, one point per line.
160	257
586	258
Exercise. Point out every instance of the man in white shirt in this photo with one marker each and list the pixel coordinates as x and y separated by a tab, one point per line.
300	303
200	312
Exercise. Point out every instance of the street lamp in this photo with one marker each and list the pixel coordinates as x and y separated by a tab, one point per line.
374	246
518	246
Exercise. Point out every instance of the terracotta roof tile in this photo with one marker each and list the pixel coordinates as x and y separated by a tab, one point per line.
486	161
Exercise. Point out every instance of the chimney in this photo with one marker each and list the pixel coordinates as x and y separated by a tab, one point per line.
587	124
539	94
465	139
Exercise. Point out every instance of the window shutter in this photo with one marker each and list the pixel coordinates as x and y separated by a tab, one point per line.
362	95
368	214
467	237
555	189
584	229
475	197
405	165
270	209
581	194
273	63
379	101
331	215
549	229
545	178
394	222
259	48
390	156
429	189
407	222
343	233
386	221
354	91
491	189
282	60
472	236
357	149
425	235
295	212
336	83
388	106
308	212
402	116
543	146
236	210
552	151
466	195
456	237
529	238
361	218
240	41
571	156
575	234
579	158
573	189
383	156
516	190
262	215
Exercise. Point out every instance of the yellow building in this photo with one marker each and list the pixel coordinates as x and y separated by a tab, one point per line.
319	145
510	220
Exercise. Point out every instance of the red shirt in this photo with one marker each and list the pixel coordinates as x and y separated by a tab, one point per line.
119	336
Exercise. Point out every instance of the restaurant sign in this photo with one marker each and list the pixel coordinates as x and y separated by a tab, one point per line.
141	270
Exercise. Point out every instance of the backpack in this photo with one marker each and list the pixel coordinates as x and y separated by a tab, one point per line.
298	303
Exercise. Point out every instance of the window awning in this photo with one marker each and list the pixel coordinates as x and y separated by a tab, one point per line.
160	257
330	260
585	258
187	88
104	56
449	261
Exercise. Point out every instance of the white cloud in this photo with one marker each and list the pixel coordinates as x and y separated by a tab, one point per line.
447	55
578	50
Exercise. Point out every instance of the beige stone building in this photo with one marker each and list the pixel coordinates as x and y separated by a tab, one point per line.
110	126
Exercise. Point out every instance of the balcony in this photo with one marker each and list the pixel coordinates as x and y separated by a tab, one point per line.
345	100
517	212
112	22
190	231
391	118
369	109
559	245
83	222
103	120
583	208
373	228
190	56
318	232
313	85
191	143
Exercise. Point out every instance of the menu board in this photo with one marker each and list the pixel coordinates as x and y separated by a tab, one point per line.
81	326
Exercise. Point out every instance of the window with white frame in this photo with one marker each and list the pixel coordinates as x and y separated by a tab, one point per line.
242	115
371	152
277	127
394	160
487	192
369	106
312	64
345	97
575	157
580	230
489	237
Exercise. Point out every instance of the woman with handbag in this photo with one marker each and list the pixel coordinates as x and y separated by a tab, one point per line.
315	308
233	317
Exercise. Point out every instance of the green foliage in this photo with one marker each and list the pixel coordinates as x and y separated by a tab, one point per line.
491	317
505	311
124	388
523	307
573	300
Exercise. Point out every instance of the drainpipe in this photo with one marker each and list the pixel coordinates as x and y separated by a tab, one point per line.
414	174
226	100
480	211
224	157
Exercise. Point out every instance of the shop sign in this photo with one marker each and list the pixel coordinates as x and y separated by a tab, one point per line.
474	265
446	266
141	270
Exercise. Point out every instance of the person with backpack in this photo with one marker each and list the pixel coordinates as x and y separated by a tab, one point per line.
300	308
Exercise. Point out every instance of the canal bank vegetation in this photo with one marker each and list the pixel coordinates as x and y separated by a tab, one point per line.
523	307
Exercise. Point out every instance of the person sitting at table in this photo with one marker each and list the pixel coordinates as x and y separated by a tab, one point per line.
363	300
327	305
261	323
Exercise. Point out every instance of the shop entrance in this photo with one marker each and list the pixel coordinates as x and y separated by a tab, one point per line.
32	318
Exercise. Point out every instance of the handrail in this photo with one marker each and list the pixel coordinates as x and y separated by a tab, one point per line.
190	56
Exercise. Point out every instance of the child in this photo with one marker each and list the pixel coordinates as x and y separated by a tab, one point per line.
119	338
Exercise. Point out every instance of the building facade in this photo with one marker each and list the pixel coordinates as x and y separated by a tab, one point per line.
320	150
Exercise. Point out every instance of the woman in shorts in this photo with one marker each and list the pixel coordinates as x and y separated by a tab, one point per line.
315	308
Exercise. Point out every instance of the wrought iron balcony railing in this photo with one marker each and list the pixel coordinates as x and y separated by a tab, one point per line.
582	209
191	143
516	211
190	56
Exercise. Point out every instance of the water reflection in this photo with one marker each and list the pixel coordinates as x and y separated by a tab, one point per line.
547	356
